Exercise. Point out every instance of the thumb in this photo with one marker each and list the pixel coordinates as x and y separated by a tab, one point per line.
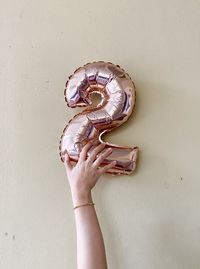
67	162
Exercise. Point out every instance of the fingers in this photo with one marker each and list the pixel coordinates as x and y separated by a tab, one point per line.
95	151
84	151
67	162
105	168
102	157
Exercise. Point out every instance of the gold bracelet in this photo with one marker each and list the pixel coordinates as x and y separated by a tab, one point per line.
84	205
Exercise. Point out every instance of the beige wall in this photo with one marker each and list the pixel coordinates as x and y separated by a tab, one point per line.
150	220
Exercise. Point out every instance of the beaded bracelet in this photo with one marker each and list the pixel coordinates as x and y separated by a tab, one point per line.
84	205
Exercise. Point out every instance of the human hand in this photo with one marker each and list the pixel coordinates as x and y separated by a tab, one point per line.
84	175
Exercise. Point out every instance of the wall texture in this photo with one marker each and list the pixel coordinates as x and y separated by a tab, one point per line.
150	220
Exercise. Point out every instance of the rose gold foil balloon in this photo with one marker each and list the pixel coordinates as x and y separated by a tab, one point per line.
118	98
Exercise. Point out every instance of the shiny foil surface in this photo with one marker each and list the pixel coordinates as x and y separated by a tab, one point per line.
118	98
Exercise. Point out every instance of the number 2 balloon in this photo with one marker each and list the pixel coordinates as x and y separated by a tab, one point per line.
118	98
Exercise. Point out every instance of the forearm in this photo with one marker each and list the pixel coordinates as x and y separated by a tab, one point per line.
90	245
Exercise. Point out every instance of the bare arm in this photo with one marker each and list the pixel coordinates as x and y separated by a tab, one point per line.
82	178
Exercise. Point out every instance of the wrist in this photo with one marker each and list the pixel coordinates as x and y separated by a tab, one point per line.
81	198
